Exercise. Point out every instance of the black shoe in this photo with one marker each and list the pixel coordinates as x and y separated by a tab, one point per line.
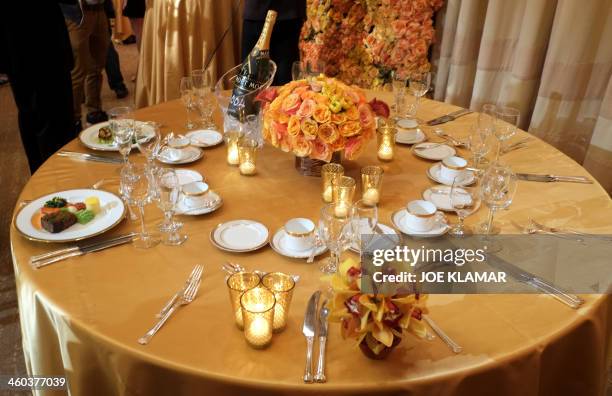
96	117
121	91
78	127
130	40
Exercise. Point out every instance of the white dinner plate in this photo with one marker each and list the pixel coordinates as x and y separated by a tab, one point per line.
187	176
174	156
412	136
387	230
440	228
183	209
437	153
279	245
239	236
112	211
89	136
204	138
434	174
440	196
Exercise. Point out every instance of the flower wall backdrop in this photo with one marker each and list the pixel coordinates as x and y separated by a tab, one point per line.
362	41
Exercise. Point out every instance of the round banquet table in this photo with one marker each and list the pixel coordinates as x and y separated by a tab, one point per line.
81	317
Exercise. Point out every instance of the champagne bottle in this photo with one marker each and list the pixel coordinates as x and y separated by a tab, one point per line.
253	74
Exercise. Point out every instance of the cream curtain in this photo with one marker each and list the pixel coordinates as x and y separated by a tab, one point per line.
552	59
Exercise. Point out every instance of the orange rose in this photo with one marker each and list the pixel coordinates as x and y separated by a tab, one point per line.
338	144
352	113
307	95
338	118
350	128
321	114
307	108
328	132
365	116
283	118
321	99
320	151
301	146
309	127
291	103
293	127
354	147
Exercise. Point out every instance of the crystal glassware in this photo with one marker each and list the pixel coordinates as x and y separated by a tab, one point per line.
247	154
122	124
464	201
418	85
480	143
343	193
371	183
497	189
135	180
336	233
148	140
486	117
364	219
237	284
168	194
506	123
386	142
398	84
188	98
330	173
202	85
282	286
258	316
231	139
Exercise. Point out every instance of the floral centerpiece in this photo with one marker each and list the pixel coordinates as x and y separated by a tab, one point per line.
318	117
363	41
377	322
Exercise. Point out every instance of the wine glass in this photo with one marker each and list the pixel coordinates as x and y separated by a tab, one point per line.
398	83
297	71
148	140
135	180
464	201
497	189
480	142
188	98
202	86
168	194
418	84
121	123
487	117
335	232
506	122
364	219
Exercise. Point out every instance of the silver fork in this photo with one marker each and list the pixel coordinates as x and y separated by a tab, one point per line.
456	348
186	298
196	274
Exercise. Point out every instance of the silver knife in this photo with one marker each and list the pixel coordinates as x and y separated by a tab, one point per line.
309	329
84	250
90	157
449	117
323	314
553	178
76	248
523	276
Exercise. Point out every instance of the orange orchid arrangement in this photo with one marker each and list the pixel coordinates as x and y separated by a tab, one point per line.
318	116
377	320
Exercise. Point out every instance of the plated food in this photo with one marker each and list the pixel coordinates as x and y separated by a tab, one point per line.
100	136
69	215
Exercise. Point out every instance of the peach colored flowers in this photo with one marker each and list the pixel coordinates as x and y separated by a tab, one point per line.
318	117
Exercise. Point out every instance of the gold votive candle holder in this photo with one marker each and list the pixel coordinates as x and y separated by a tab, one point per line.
330	173
232	138
258	315
371	182
282	286
386	143
237	284
343	192
247	153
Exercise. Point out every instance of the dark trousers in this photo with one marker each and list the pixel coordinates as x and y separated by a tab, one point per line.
113	68
43	94
283	44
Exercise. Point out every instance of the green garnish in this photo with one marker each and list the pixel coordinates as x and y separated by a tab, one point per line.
84	216
56	202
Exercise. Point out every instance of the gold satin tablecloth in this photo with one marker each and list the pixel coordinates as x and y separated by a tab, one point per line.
81	317
179	36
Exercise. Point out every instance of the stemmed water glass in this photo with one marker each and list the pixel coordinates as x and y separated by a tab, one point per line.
335	231
364	219
135	186
168	194
202	84
497	189
480	142
121	124
418	85
487	117
148	139
464	201
506	122
189	99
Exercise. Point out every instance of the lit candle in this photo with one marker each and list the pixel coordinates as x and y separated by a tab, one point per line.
232	154
247	168
385	152
258	333
327	194
258	316
341	210
371	196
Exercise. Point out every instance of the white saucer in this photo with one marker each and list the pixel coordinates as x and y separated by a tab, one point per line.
412	136
439	229
434	174
437	153
279	245
183	209
187	176
441	197
407	123
204	138
187	155
387	230
239	236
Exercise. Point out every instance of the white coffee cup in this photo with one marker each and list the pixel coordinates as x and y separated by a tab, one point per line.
420	215
299	233
195	194
453	167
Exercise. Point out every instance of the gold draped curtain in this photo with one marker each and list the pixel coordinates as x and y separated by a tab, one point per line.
552	59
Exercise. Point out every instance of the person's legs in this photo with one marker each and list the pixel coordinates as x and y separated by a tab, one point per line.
113	69
79	42
136	24
98	47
